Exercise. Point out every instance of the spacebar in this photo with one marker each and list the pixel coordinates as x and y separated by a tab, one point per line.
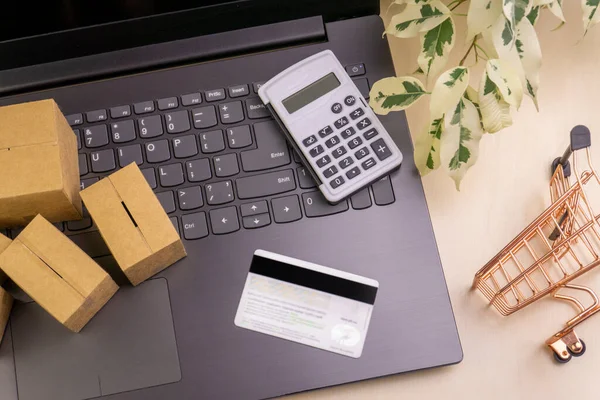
91	243
265	184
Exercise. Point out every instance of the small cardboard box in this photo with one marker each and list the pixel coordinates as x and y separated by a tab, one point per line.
57	274
6	299
39	165
4	242
133	224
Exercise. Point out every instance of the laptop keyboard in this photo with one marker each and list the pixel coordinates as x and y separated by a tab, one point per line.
215	159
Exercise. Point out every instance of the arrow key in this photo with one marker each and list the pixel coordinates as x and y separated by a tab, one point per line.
256	221
224	220
255	208
286	209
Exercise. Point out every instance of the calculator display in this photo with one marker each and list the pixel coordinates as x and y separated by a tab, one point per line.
311	93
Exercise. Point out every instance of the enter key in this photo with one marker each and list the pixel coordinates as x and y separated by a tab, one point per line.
271	151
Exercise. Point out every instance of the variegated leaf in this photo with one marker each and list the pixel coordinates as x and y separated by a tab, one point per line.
495	112
534	14
395	94
460	141
473	96
541	2
436	45
481	15
448	90
591	13
556	8
515	11
417	18
530	52
506	51
507	81
427	147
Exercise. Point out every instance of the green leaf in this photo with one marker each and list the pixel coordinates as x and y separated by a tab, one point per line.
530	53
448	90
555	8
591	14
508	35
495	112
418	18
394	94
534	14
481	15
436	45
427	147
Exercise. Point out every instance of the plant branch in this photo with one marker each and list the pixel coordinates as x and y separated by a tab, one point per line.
462	61
458	3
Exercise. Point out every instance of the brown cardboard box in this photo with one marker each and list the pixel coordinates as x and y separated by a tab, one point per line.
133	224
57	274
4	242
39	164
6	299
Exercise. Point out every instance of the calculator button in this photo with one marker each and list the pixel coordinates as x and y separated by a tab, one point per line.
369	163
357	141
350	100
357	113
337	182
323	161
340	151
341	122
364	123
325	131
353	172
346	162
361	153
336	108
355	70
316	150
370	134
309	140
381	149
332	142
348	132
329	172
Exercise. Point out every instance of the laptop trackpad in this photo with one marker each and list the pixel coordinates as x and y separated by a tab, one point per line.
129	345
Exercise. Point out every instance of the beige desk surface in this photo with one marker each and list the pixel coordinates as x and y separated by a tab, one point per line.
504	357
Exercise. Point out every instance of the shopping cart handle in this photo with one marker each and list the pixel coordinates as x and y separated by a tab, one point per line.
580	139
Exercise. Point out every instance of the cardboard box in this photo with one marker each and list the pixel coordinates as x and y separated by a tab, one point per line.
57	274
6	300
4	242
39	165
133	224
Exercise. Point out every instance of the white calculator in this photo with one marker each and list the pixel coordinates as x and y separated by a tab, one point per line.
341	141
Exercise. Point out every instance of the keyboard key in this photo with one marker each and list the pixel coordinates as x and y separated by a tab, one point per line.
191	99
363	87
185	146
359	112
323	132
340	151
323	161
198	170
103	161
157	151
309	140
122	131
370	134
355	69
362	124
79	225
190	198
130	154
96	136
77	133
170	175
336	108
143	107
341	122
194	226
219	193
86	183
83	167
238	91
272	148
286	209
212	142
167	104
231	112
296	157
381	149
361	153
256	86
74	119
361	200
349	100
265	184
305	180
177	122
315	205
239	136
353	173
256	109
354	143
315	151
59	225
337	182
255	208
150	126
329	172
332	141
96	116
224	220
120	112
257	221
150	177
346	133
368	163
383	193
167	201
175	224
226	165
204	117
214	95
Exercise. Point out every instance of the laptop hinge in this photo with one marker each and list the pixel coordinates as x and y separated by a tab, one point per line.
145	58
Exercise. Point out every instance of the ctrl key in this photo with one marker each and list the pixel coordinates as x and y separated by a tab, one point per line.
194	226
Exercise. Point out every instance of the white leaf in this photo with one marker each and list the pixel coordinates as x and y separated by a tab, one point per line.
591	13
555	8
507	50
427	147
460	141
415	19
448	90
436	45
530	52
481	15
495	112
507	81
516	10
541	2
395	94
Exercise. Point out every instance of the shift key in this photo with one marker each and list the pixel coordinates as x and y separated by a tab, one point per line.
266	184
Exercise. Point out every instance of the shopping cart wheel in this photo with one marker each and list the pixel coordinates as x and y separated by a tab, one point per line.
580	353
562	360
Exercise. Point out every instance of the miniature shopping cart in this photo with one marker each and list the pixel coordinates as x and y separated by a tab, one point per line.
559	246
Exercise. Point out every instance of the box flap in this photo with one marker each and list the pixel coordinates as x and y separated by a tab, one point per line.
4	242
28	123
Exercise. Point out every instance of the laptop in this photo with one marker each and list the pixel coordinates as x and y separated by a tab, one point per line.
119	70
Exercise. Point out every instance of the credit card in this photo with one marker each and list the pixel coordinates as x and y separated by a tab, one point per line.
307	303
